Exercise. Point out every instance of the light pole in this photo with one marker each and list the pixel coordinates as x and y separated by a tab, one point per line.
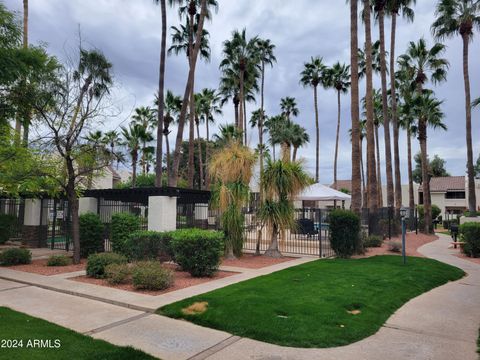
404	214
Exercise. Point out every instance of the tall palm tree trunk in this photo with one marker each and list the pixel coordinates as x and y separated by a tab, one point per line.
379	168
241	102
337	140
245	127
411	195
161	97
396	148
364	198
294	157
371	171
422	137
167	148
183	112
260	142
207	154
472	200
191	136
317	135
200	156
357	162
386	117
134	168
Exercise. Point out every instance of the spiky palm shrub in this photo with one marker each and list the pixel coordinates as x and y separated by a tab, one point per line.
282	181
231	170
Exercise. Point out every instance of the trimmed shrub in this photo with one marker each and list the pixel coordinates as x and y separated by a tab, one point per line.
7	225
123	224
59	260
345	233
373	241
148	245
198	251
91	234
150	275
15	256
394	246
117	273
96	263
470	234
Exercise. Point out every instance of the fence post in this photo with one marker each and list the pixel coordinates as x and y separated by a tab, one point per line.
319	233
162	213
31	232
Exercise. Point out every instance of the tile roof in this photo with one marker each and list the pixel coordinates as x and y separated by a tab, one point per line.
342	184
444	184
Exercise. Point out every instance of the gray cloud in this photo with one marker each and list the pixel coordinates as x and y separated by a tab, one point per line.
128	32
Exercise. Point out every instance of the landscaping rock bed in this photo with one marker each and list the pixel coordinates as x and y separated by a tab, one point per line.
40	267
413	242
182	279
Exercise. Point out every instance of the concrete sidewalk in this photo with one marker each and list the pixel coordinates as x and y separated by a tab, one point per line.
441	324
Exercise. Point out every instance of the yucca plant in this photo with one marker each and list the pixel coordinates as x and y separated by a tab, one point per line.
282	181
231	170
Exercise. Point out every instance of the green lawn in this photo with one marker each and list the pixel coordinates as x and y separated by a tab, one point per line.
73	346
307	305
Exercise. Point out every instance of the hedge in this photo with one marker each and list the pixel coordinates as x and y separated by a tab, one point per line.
91	234
96	263
123	224
470	234
148	245
345	233
7	224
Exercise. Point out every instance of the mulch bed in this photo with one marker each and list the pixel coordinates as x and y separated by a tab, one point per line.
40	267
250	261
413	242
182	280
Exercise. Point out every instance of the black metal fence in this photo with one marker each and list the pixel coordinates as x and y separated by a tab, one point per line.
56	220
16	208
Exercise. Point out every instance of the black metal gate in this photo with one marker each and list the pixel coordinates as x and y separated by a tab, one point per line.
15	208
56	219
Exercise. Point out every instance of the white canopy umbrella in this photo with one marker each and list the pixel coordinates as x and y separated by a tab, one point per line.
319	192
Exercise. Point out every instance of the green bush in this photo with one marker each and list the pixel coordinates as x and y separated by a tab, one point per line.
150	275
470	234
373	241
198	251
7	225
123	224
15	256
91	234
435	212
96	263
59	260
148	245
117	273
345	233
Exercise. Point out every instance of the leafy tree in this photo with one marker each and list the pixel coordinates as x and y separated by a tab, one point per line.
436	168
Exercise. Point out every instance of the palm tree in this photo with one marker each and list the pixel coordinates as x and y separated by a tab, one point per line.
208	106
380	6
182	42
371	171
231	169
289	108
338	78
172	107
394	8
265	50
240	55
134	136
427	109
145	117
423	64
195	49
460	17
299	138
282	182
271	125
355	110
313	74
112	139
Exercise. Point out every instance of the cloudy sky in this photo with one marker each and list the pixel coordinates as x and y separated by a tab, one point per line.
128	32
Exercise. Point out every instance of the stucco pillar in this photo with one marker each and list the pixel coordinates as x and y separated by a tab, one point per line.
162	213
32	230
87	204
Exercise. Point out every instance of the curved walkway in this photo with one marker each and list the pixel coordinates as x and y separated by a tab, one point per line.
439	325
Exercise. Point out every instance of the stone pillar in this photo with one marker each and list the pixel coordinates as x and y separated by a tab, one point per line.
162	213
87	204
32	225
